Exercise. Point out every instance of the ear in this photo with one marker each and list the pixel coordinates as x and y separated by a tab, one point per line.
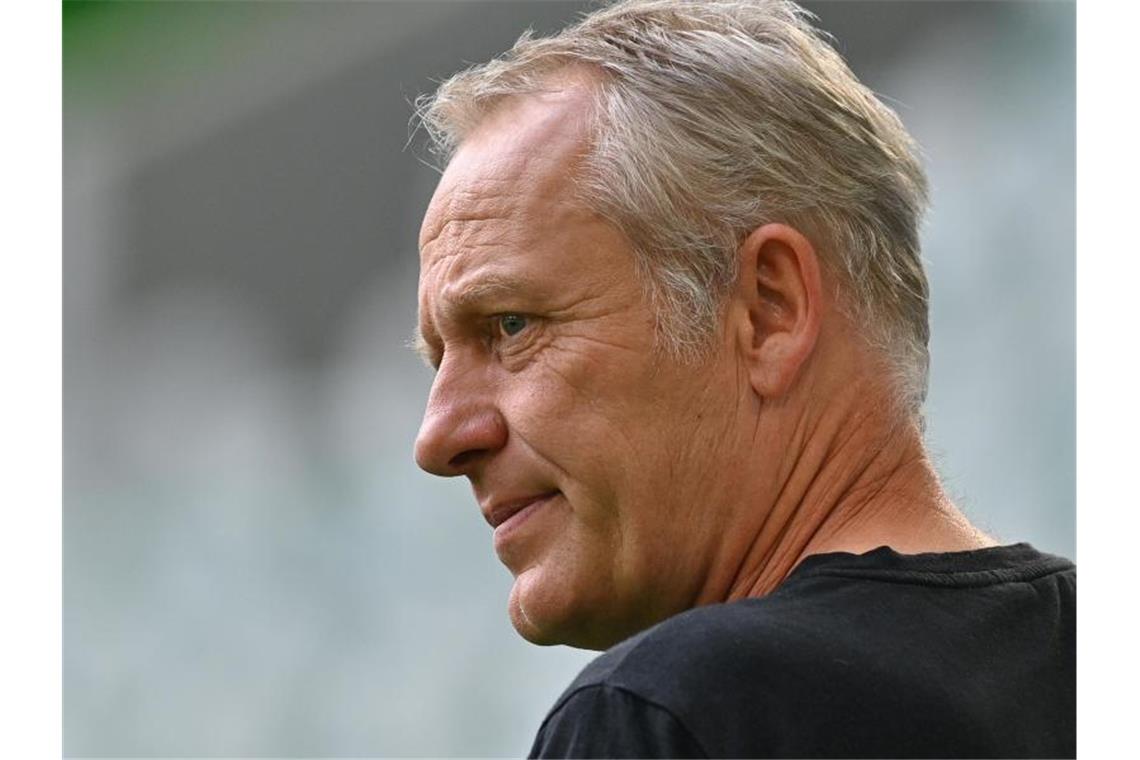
781	298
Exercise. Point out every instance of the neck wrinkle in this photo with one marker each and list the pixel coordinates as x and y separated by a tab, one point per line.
836	482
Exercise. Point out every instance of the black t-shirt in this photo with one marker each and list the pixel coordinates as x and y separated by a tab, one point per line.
963	654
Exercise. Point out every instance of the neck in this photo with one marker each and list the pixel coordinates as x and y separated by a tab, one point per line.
853	483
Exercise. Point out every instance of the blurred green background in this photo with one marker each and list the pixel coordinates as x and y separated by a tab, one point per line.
253	565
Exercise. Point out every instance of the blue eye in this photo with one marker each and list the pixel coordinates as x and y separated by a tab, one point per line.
512	324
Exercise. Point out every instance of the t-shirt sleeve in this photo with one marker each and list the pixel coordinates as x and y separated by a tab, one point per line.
605	721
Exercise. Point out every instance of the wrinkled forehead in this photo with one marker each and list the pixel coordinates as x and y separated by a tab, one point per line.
525	150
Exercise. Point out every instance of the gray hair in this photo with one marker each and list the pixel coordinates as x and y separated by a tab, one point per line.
711	119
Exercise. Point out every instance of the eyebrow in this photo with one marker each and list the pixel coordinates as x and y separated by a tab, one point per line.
495	285
419	344
471	295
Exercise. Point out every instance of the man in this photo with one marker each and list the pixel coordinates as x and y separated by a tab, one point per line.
671	285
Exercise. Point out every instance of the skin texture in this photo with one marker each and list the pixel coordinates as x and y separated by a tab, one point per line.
669	485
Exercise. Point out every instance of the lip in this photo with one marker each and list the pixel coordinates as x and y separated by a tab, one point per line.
512	527
506	511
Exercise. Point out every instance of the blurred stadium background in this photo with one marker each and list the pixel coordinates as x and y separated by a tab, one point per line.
253	564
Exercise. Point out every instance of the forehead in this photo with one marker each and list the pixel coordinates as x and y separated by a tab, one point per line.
518	161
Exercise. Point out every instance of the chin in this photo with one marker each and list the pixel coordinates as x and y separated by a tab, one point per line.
547	611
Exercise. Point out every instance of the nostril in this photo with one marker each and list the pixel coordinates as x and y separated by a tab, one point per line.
463	459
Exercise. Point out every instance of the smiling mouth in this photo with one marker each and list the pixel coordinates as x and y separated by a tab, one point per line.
514	511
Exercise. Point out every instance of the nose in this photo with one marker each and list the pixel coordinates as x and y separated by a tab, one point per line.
461	428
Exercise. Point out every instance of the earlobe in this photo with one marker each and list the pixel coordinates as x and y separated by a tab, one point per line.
781	294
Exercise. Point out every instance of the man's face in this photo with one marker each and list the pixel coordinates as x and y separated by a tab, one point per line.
602	464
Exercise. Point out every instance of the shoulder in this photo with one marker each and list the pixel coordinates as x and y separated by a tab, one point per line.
679	688
729	679
602	720
829	665
631	701
707	643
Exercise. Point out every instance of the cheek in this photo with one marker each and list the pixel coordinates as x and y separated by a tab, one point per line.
625	436
574	415
585	434
680	484
629	466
